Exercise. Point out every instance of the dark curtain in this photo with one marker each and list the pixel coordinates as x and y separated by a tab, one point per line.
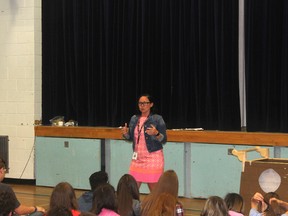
100	55
266	27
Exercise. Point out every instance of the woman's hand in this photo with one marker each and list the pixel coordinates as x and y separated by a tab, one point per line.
125	129
152	131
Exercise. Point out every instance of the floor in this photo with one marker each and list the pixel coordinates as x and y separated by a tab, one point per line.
35	195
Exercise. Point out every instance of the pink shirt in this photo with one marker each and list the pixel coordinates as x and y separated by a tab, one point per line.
108	212
233	213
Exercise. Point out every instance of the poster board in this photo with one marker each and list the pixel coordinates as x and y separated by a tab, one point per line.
265	175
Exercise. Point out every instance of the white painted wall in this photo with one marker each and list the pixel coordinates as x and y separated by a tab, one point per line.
20	81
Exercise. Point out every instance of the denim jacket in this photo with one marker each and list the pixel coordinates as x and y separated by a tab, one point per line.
153	144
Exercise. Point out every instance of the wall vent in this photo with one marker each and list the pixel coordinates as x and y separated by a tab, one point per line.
4	150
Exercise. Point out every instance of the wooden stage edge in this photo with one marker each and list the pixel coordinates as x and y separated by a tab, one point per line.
186	136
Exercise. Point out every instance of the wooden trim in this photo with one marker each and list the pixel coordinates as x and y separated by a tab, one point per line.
79	132
223	137
209	137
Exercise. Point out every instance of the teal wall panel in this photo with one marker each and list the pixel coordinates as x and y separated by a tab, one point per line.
203	169
118	157
174	155
214	172
74	163
284	151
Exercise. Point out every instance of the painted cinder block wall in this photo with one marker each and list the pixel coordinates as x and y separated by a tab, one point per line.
20	81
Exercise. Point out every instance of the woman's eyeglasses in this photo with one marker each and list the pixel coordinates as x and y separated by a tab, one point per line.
143	103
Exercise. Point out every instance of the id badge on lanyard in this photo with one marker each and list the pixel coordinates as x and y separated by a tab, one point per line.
134	156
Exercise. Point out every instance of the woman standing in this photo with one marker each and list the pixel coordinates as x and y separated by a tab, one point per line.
147	130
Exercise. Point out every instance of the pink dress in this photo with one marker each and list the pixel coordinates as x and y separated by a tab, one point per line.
148	167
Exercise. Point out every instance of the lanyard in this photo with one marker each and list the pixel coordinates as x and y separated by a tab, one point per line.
139	129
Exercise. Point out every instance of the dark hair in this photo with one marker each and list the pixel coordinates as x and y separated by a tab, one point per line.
97	179
87	214
151	100
127	190
7	203
59	211
63	195
104	197
234	202
2	163
270	195
274	208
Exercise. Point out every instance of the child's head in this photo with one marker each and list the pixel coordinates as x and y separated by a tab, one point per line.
234	202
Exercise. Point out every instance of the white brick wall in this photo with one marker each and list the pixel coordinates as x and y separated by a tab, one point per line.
20	81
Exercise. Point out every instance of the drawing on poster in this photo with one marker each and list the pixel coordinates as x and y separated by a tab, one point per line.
269	180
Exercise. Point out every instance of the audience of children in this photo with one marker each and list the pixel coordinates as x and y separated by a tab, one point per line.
280	207
273	205
102	200
167	184
7	201
85	200
268	205
59	211
270	195
87	214
63	197
215	206
18	208
235	204
128	196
